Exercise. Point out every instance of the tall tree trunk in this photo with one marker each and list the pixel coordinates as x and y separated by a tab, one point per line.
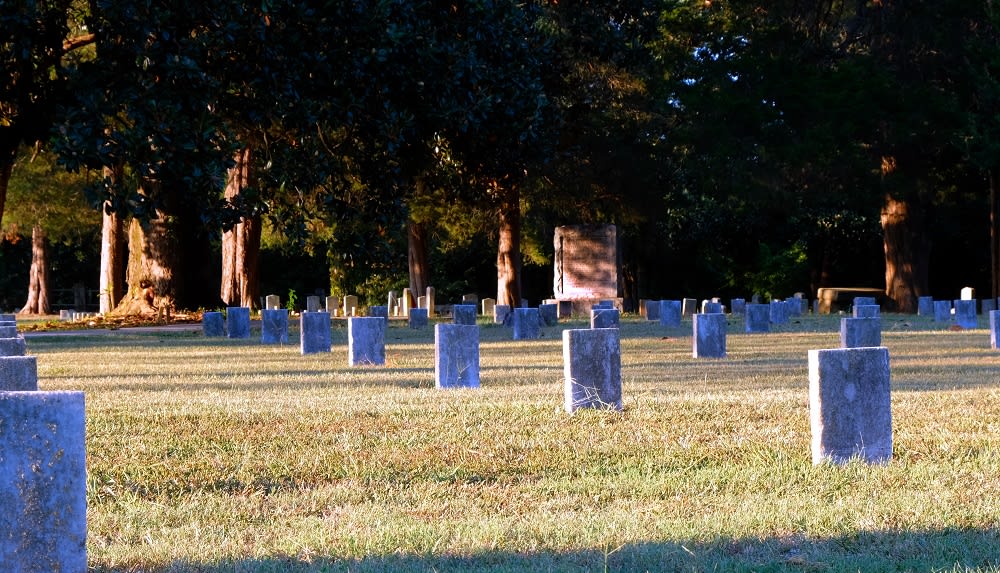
907	251
241	244
7	158
509	248
416	240
994	236
113	252
38	282
152	258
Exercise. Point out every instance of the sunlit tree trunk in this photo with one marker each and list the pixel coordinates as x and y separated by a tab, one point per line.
907	252
994	236
6	169
153	256
417	247
241	244
38	281
509	248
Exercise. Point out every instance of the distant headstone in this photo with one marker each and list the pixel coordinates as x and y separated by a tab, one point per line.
942	311
350	305
864	300
488	304
778	312
968	293
272	301
586	263
592	369
689	306
860	332
988	305
793	307
527	324
315	332
238	322
758	318
925	306
8	332
456	355
549	314
604	318
995	329
312	303
670	313
709	338
393	304
365	341
379	311
332	305
604	304
7	317
709	307
43	482
407	301
470	298
430	301
418	318
849	405
965	313
866	311
738	306
212	324
502	314
274	326
464	314
565	308
18	374
755	298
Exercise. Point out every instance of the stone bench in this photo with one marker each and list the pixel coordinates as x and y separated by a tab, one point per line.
835	299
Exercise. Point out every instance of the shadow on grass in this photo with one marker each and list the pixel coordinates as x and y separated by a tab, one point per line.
917	551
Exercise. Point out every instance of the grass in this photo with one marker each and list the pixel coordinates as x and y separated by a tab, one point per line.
215	455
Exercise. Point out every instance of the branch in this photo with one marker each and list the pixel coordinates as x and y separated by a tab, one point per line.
78	42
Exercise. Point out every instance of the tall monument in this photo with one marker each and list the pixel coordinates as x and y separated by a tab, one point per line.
586	265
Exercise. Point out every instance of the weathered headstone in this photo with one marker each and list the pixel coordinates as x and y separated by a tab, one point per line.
456	355
689	306
778	312
864	300
709	338
995	329
988	305
8	332
393	304
849	405
738	306
527	324
43	482
710	307
488	304
925	306
758	318
866	311
592	369
407	301
501	314
7	317
470	298
333	305
272	301
212	324
464	314
604	318
670	313
968	293
379	311
942	311
274	326
418	318
549	314
314	335
430	300
652	310
365	341
586	263
965	313
863	332
312	303
238	322
350	305
565	308
18	374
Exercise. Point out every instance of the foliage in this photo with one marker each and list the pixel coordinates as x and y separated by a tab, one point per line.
42	193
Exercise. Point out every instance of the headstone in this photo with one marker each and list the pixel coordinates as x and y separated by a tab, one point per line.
709	338
393	303
793	307
502	314
864	300
965	313
407	301
988	305
456	355
849	405
565	308
652	310
7	317
43	482
365	341
430	301
464	314
350	305
866	311
272	301
604	304
758	318
995	329
379	311
332	305
710	307
488	305
670	313
526	324
238	322
472	299
689	306
212	324
968	293
642	307
860	332
314	335
13	346
604	318
274	326
738	306
549	314
592	369
418	318
925	306
585	263
312	303
778	312
755	298
18	374
942	311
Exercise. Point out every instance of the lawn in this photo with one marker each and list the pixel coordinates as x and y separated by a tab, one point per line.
217	455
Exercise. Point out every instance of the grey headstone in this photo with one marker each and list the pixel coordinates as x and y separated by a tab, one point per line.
738	306
312	303
778	312
925	306
866	311
592	369
527	324
6	317
238	322
849	405
464	314
43	482
429	293
605	318
793	307
350	303
487	306
18	374
8	331
379	311
502	314
365	341
456	356
864	300
418	318
549	314
689	306
988	305
565	309
860	332
709	307
758	318
604	304
274	326
670	313
212	324
709	338
272	301
967	293
332	305
942	311
995	329
652	310
314	335
471	298
965	313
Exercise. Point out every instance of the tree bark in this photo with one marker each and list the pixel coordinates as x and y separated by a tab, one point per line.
112	279
907	251
241	244
994	236
152	259
509	249
38	282
6	169
416	235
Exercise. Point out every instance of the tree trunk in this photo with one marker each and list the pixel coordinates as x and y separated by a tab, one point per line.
509	249
6	169
906	253
38	282
241	244
994	236
416	235
112	279
150	274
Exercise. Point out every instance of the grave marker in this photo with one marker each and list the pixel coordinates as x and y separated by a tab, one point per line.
965	313
488	304
942	311
332	305
864	300
272	301
670	313
407	301
274	326
925	306
758	318
350	305
314	336
860	332
711	307
592	369
456	356
738	306
312	303
549	314
778	312
604	318
652	310
526	324
365	341
995	329
430	301
212	324
689	306
418	318
709	338
238	322
866	311
968	293
585	263
502	314
18	374
464	314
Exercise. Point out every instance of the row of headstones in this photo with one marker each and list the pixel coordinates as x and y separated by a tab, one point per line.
961	311
757	317
72	315
43	479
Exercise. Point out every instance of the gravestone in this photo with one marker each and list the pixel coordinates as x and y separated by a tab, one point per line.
738	306
333	305
456	356
778	312
866	311
502	314
925	306
965	313
421	302
272	301
549	314
850	410
314	335
430	300
418	318
8	332
212	324
365	341
995	329
18	374
604	318
670	313
710	307
793	307
527	324
604	304
860	332
652	310
565	308
238	322
379	311
471	298
689	306
586	262
7	317
864	300
968	293
758	318
592	369
393	304
709	338
312	303
488	304
406	299
988	305
43	482
464	314
350	305
942	311
274	326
